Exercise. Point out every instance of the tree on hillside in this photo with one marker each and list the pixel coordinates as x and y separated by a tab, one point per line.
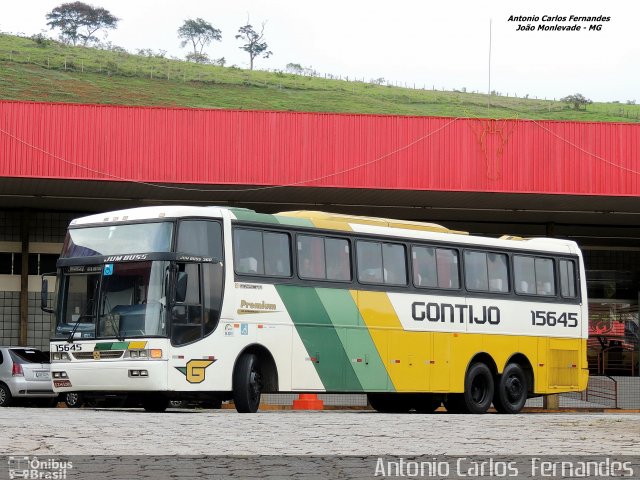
196	57
255	46
78	22
199	33
577	100
295	68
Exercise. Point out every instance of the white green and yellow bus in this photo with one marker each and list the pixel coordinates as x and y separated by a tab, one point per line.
218	303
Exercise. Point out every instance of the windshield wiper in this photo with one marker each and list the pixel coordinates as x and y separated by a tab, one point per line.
73	331
75	327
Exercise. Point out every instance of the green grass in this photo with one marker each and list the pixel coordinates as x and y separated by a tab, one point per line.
59	73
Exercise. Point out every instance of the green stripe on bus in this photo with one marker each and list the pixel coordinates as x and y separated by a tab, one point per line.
320	338
355	338
112	346
251	216
295	221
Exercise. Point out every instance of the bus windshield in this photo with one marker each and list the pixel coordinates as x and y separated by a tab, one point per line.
118	300
118	239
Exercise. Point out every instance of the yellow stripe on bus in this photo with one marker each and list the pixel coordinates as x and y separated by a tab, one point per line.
404	353
437	361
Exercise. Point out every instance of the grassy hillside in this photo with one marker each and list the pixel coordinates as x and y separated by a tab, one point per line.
50	71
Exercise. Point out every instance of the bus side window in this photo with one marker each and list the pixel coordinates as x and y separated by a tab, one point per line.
247	251
424	266
486	271
497	270
200	237
435	267
338	259
369	255
261	253
383	263
475	267
545	284
311	257
567	278
534	275
448	272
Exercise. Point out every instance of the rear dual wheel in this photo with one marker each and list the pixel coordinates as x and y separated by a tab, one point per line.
511	390
478	392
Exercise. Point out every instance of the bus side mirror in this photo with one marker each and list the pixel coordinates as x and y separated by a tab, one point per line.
181	287
44	296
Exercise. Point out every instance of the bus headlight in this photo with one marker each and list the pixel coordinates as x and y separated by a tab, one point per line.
155	353
60	356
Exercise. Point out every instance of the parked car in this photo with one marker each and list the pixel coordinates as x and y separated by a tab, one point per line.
25	374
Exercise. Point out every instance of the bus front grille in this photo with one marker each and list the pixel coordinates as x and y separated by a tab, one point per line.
98	355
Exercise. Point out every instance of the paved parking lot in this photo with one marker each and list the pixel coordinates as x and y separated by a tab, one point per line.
61	431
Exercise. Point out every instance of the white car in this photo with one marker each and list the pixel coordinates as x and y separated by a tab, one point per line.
25	374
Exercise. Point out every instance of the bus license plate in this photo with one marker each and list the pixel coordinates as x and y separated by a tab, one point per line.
61	383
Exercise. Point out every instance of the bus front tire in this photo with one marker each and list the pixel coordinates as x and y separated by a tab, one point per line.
511	390
478	389
247	384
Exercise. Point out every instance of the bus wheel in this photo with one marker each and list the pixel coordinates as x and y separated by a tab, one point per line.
511	391
389	402
247	384
427	403
155	403
73	400
478	388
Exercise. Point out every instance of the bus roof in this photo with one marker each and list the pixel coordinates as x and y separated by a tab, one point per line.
333	221
376	221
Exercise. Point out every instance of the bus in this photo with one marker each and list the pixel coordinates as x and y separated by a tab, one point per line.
177	302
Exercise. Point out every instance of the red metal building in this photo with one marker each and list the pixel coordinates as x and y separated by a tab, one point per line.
229	147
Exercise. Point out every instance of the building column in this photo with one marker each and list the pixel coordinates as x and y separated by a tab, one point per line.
24	277
551	229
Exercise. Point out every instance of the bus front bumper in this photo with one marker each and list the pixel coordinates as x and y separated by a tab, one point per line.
118	376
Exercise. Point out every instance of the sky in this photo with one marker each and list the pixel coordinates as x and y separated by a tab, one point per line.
426	43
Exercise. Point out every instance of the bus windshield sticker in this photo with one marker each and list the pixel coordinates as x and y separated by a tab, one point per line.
108	269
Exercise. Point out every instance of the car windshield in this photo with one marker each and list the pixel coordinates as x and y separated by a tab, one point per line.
118	239
119	300
29	355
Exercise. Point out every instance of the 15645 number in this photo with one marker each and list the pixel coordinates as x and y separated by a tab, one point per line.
540	318
65	347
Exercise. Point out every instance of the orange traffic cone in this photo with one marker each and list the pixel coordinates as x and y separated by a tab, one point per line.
308	401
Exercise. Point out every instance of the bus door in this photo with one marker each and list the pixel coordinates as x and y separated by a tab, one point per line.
193	316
